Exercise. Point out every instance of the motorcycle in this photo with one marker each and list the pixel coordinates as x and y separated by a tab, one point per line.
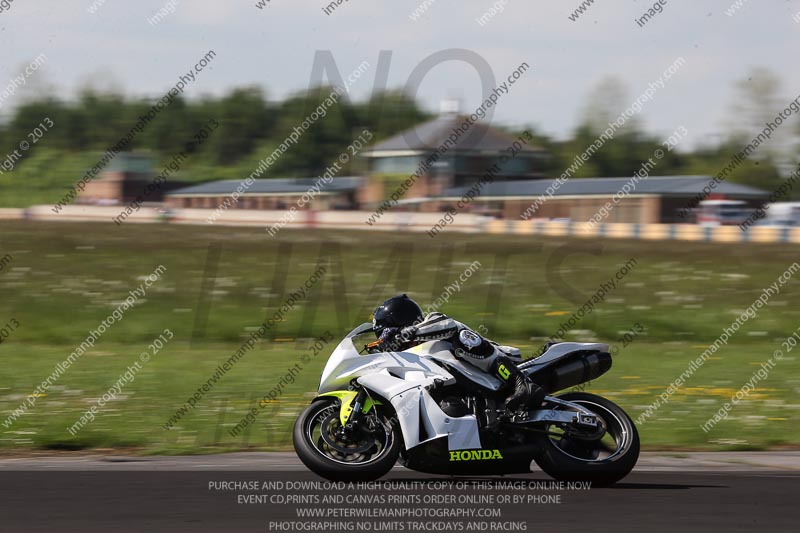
439	415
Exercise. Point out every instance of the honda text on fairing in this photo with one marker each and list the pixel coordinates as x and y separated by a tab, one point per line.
439	415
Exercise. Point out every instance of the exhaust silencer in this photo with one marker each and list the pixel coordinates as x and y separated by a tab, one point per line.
580	369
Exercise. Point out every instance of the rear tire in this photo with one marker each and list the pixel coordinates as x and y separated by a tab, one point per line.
561	459
334	465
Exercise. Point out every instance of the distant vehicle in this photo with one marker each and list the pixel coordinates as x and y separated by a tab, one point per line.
721	212
164	214
781	214
776	223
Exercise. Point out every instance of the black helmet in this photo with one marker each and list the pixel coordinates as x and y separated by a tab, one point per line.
396	312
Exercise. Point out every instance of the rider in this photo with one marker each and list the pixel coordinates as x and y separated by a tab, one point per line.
399	324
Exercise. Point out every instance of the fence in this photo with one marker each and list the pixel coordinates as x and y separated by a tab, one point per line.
420	222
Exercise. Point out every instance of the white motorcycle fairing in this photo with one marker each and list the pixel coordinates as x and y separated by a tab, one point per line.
401	378
430	412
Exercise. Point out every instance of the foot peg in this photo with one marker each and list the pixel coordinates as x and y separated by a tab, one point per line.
587	421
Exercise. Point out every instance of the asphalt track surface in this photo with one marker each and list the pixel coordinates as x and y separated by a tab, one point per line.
694	492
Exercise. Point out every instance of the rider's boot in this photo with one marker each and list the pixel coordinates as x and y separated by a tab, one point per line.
523	393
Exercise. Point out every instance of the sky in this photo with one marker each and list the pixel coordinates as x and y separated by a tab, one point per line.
275	47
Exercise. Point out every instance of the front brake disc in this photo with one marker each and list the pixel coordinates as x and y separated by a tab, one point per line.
329	426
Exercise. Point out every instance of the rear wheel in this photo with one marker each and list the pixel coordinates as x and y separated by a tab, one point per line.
362	454
569	456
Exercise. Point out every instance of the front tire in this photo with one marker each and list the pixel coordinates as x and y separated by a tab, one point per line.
602	462
372	457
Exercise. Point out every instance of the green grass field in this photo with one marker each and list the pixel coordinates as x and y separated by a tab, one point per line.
64	279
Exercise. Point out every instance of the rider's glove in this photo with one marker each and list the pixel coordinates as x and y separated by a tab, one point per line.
388	336
408	333
394	339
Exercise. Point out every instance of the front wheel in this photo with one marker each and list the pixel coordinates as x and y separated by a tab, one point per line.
602	461
362	454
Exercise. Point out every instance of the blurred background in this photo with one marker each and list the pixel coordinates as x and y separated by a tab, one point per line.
76	78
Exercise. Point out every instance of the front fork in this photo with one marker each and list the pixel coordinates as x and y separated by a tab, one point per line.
354	406
356	412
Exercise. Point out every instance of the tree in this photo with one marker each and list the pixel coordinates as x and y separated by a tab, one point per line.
389	112
757	101
604	104
244	121
322	142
